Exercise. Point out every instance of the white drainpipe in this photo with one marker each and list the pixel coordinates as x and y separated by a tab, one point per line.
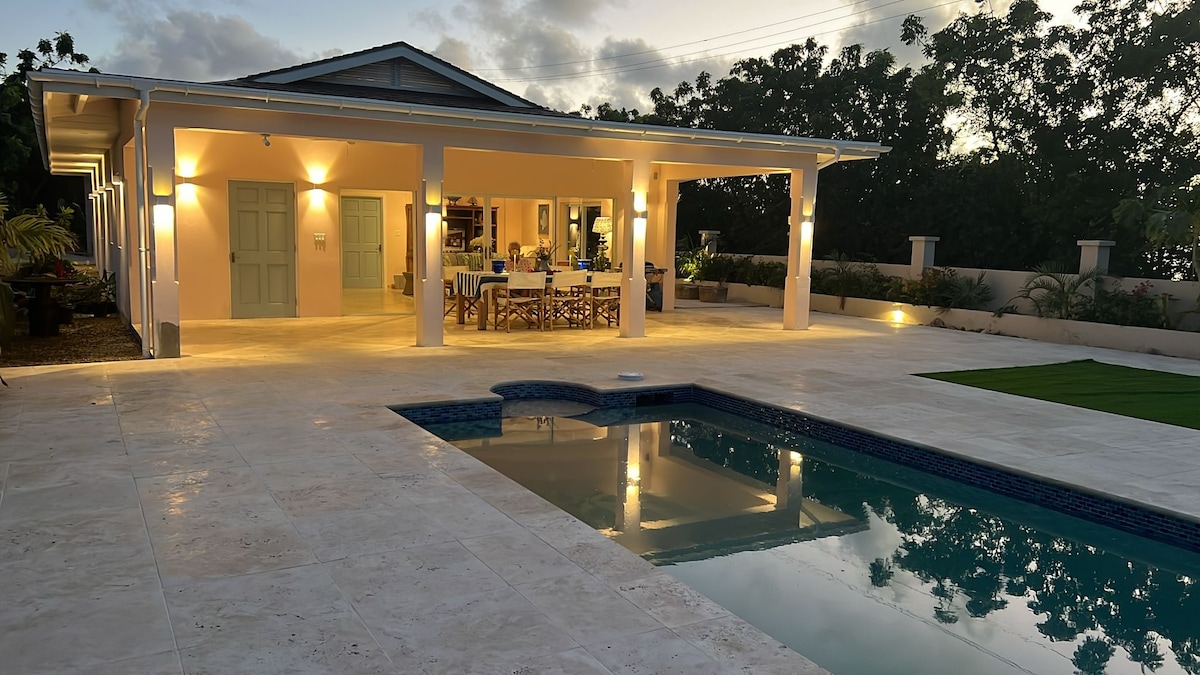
139	187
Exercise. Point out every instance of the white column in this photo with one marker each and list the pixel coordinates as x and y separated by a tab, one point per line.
800	233
164	270
427	231
670	233
1093	255
922	255
634	221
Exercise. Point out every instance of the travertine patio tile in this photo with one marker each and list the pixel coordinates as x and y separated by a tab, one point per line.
661	652
253	461
587	609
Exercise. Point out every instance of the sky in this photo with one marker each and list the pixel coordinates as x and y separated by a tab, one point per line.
559	53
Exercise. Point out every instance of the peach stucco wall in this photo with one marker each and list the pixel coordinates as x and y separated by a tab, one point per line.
515	182
210	160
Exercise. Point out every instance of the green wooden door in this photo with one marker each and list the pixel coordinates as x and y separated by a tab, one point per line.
362	242
262	249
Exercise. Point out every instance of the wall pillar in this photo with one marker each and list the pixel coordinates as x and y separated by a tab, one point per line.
922	255
1093	255
634	222
670	234
164	269
427	231
800	233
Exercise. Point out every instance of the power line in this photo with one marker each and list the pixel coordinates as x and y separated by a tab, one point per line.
688	44
671	60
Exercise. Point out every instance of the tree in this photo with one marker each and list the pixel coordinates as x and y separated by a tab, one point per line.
1170	218
22	175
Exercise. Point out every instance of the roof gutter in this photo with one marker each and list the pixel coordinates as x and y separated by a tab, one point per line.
837	155
340	105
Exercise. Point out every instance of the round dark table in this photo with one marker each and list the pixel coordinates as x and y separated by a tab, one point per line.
43	311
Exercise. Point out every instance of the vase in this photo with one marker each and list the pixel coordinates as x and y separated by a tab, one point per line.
498	266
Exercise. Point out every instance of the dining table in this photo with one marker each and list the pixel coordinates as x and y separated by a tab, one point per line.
479	285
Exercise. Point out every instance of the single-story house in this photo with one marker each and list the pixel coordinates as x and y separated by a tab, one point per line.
276	194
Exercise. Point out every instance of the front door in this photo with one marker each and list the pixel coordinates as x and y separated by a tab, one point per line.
362	247
262	249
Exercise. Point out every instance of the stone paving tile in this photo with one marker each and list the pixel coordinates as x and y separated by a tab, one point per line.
262	475
283	621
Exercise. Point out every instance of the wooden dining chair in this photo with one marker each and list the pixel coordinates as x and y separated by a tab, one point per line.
569	298
523	297
450	293
605	297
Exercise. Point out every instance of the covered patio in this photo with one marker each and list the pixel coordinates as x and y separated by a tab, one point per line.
274	194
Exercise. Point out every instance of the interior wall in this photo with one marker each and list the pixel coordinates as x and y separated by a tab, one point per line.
320	171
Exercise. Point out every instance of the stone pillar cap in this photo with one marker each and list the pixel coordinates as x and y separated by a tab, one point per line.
1095	242
923	238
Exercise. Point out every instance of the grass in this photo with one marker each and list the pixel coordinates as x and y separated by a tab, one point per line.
1169	398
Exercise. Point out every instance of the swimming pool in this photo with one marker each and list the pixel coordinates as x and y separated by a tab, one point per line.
861	564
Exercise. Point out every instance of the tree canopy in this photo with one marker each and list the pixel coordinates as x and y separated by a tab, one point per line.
1014	140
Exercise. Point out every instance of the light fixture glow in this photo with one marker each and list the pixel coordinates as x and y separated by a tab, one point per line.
573	212
186	191
806	231
163	218
317	176
639	228
639	201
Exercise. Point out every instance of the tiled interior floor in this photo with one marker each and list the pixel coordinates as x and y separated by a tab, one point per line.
252	507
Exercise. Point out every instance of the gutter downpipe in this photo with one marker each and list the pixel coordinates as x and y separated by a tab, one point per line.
139	187
837	156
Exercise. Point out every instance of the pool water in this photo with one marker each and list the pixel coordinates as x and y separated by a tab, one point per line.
862	565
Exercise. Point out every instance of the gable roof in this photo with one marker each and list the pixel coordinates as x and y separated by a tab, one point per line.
396	72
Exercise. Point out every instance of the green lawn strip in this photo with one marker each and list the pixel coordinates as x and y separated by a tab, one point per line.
1169	398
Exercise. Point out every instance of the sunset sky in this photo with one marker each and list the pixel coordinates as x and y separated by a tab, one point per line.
561	53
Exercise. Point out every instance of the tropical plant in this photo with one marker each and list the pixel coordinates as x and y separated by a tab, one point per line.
715	267
847	278
32	234
8	315
944	289
1057	293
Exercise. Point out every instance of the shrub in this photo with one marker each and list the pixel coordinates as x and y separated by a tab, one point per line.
1125	308
943	288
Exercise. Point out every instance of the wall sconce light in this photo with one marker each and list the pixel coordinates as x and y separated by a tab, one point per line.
266	138
573	213
639	201
163	216
806	232
186	190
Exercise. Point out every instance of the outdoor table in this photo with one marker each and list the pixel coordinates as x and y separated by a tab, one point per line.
43	311
479	285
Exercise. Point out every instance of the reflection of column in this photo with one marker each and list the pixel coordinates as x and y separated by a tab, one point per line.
789	489
629	481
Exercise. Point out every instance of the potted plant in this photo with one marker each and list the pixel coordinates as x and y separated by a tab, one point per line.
718	268
686	269
94	294
35	238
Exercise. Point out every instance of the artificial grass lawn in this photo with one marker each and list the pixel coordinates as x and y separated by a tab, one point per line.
1169	398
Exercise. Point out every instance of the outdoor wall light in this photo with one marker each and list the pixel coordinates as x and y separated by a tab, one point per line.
186	190
806	232
639	201
573	213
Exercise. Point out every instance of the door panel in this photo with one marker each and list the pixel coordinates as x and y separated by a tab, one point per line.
262	249
362	239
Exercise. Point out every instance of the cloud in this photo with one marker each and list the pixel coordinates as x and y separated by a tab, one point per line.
190	45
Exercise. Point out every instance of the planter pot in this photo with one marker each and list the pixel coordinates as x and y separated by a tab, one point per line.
408	283
687	292
714	294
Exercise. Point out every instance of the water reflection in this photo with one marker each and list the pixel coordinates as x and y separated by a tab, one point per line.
766	523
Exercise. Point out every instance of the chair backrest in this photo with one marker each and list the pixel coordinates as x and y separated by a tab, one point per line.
606	279
449	271
568	279
527	281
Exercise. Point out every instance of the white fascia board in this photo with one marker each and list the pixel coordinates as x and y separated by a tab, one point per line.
259	99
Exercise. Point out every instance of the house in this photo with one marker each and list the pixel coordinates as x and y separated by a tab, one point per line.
276	194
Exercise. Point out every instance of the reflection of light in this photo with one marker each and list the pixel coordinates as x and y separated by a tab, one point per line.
316	197
639	201
897	316
806	232
795	457
634	474
639	230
